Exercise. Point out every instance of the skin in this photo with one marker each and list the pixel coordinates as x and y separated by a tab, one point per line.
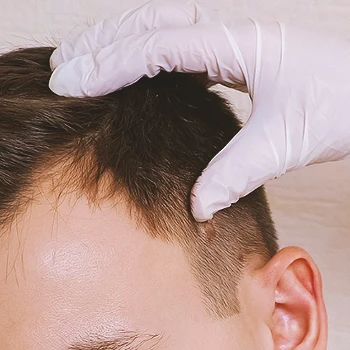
71	271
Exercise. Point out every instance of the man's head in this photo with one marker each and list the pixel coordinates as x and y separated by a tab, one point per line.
97	236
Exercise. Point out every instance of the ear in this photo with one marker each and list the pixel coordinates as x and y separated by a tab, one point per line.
299	318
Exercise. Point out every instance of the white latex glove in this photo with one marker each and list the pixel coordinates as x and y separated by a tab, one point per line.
299	83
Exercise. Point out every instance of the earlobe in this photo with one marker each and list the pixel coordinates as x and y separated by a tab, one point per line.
299	319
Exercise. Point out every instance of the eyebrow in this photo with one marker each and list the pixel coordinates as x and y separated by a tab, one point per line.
124	340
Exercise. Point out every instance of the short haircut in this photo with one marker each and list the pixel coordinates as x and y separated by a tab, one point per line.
153	139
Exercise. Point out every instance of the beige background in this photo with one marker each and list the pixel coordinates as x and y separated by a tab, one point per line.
311	207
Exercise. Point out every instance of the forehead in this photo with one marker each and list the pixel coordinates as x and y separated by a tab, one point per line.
68	270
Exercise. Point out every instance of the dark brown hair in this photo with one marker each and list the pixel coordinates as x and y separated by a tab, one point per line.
153	139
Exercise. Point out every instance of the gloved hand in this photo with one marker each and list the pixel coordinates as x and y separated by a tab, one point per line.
299	83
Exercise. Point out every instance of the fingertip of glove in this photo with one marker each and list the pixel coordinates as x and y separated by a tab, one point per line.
56	59
56	85
207	198
65	81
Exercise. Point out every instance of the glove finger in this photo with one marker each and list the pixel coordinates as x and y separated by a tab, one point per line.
191	49
247	162
150	16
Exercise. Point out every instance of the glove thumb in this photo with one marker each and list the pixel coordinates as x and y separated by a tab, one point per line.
247	162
